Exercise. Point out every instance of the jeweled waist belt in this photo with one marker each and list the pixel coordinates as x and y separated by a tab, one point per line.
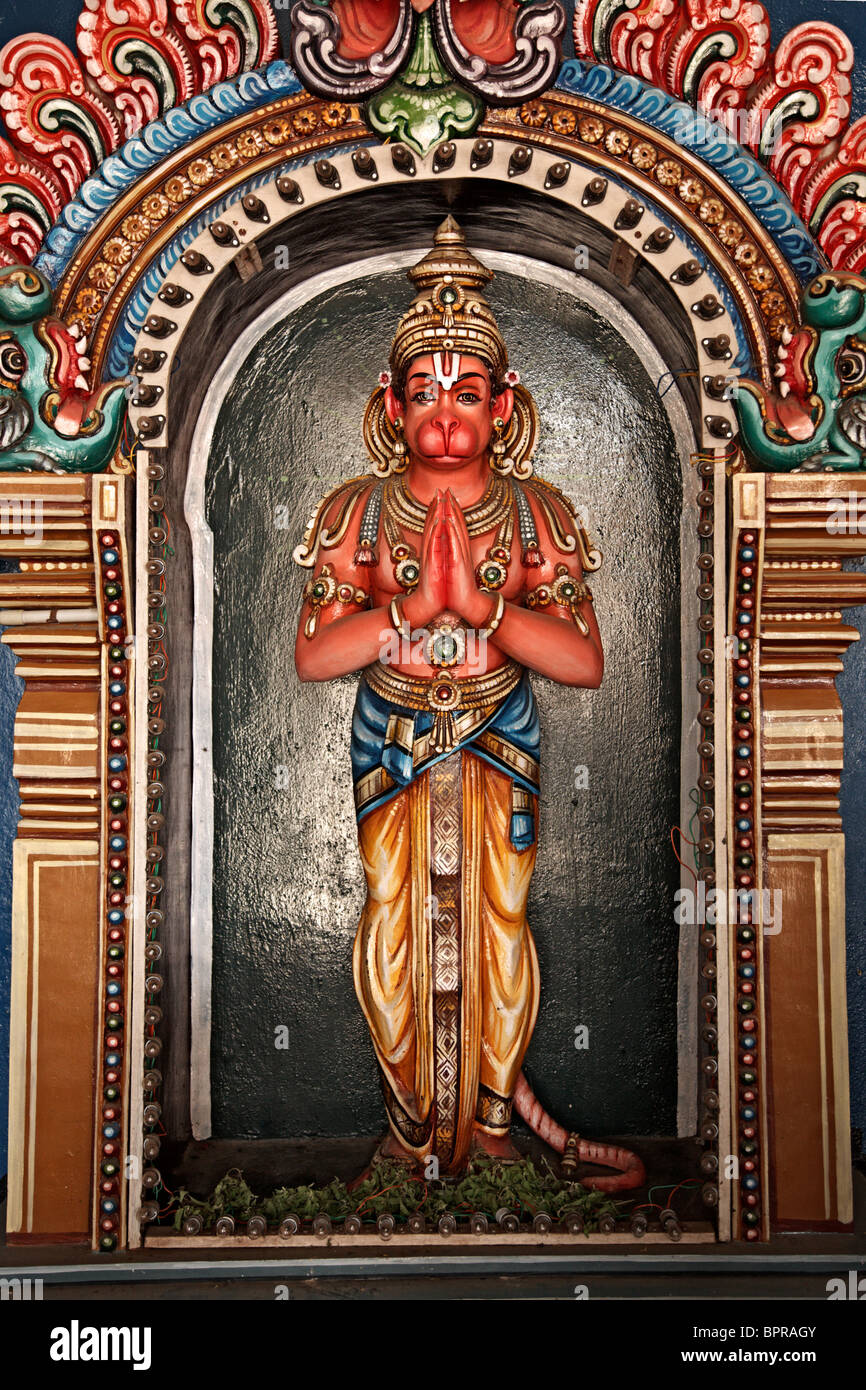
443	692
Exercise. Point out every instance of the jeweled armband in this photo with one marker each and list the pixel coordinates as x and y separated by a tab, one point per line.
325	589
567	592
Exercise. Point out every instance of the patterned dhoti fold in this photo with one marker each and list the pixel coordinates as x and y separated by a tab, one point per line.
445	966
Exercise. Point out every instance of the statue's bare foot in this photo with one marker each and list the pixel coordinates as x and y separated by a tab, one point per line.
389	1148
496	1145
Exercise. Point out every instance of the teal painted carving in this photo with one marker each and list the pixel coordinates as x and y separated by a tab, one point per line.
424	105
816	419
49	418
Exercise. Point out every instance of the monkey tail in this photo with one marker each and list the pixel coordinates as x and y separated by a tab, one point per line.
631	1172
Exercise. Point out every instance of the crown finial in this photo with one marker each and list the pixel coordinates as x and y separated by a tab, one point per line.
449	312
449	230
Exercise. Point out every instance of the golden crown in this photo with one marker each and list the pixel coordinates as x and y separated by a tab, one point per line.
449	312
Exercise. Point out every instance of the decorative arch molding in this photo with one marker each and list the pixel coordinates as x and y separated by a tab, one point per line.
789	106
141	213
715	338
152	147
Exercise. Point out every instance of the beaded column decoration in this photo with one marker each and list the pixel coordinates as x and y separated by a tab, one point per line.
746	935
705	847
111	563
157	664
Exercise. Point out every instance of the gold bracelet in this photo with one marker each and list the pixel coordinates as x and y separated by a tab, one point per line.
398	622
498	615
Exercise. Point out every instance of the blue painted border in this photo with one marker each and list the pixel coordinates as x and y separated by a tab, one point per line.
711	143
154	143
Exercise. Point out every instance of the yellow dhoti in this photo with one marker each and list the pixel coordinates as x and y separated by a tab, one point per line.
445	966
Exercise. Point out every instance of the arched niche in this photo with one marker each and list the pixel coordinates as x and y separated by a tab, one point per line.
317	222
543	207
319	234
273	834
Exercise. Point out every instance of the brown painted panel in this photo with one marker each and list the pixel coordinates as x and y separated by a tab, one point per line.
807	1071
54	1023
802	728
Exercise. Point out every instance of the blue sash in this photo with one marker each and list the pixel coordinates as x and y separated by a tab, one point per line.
391	747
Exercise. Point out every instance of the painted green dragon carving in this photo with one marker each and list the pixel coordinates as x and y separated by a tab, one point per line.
816	418
49	418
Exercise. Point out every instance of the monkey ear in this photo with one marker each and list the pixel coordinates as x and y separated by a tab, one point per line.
503	405
394	407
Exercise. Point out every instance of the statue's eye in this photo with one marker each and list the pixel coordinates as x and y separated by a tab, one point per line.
851	366
13	362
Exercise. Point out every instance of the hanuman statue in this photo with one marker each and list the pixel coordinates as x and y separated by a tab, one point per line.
444	576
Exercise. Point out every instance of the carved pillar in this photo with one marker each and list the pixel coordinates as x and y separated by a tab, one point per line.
800	1095
65	620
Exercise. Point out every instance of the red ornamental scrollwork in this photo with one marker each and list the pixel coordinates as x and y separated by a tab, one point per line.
151	55
132	53
843	236
503	51
847	164
31	179
20	238
223	50
140	58
787	106
590	38
803	104
31	198
638	39
48	108
707	52
719	55
834	202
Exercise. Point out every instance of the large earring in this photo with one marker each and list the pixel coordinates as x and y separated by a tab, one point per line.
498	462
383	436
399	454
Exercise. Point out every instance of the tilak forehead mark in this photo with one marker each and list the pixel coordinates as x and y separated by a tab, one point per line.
446	378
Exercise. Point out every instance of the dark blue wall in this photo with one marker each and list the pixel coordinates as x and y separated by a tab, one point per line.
58	17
